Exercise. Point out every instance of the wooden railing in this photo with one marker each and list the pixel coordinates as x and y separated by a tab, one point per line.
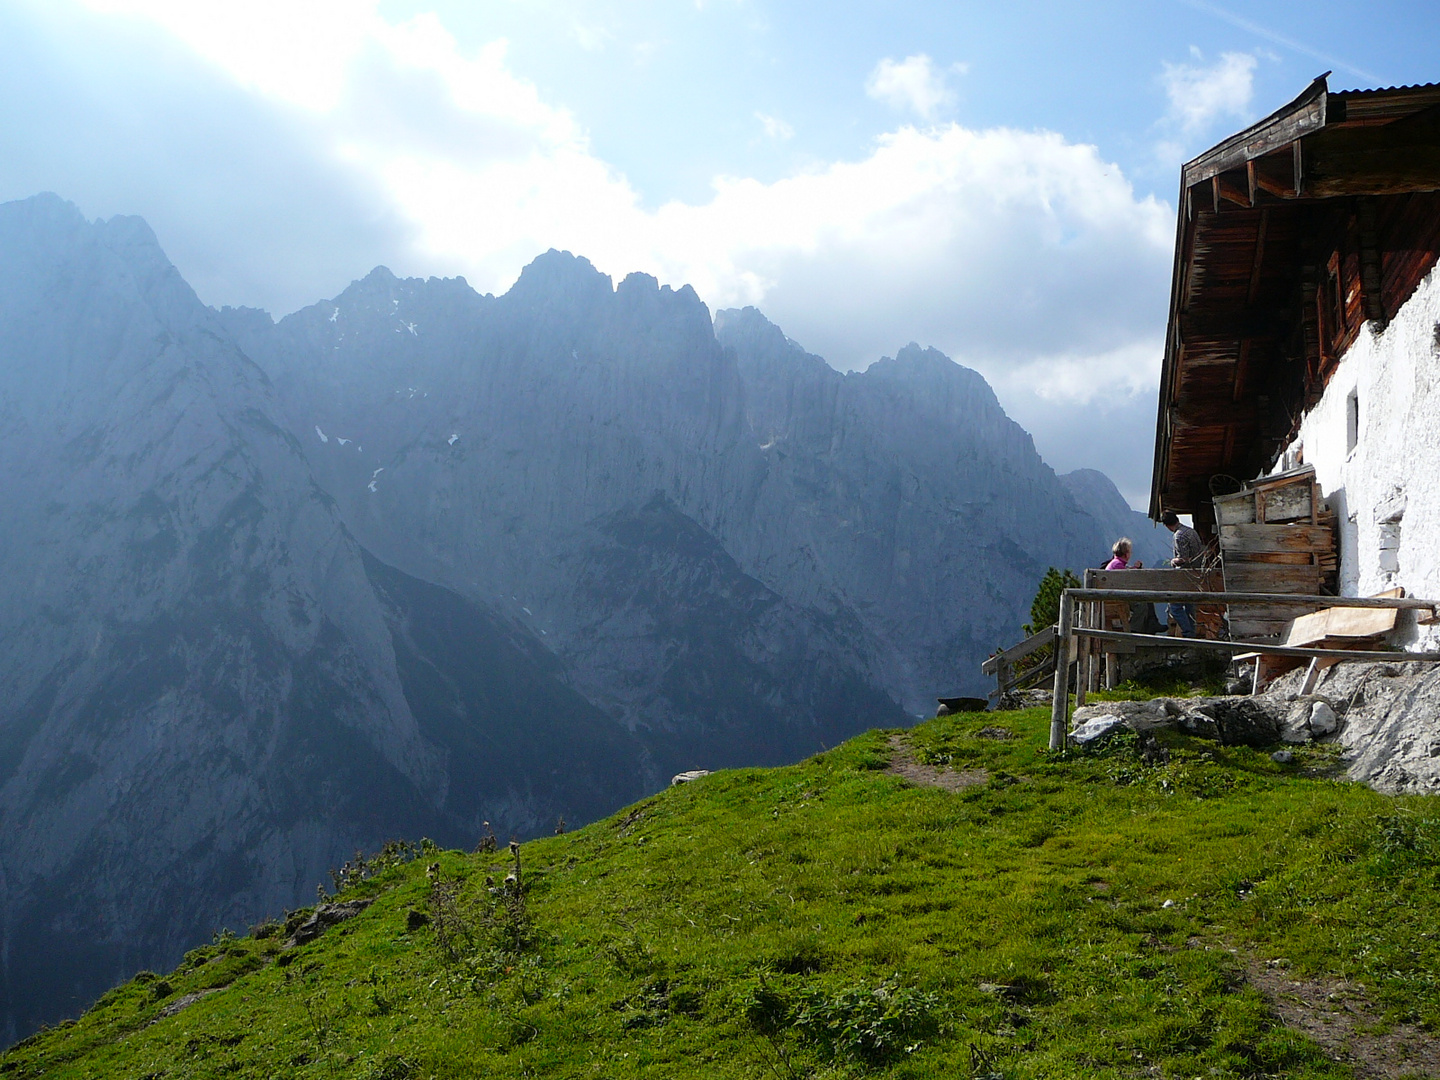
1068	634
1002	664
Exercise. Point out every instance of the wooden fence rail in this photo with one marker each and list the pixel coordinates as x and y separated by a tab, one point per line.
1002	664
1068	635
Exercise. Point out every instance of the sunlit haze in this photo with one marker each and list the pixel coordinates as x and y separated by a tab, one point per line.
996	183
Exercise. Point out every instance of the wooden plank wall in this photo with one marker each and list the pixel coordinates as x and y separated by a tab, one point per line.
1276	536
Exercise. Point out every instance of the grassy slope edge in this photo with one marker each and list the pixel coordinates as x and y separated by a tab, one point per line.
1089	915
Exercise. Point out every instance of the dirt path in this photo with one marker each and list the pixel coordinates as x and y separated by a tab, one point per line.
1335	1014
904	765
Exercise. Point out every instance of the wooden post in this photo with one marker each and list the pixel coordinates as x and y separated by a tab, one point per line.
1059	706
1085	663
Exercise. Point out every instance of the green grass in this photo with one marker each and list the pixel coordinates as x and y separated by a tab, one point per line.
1160	686
824	920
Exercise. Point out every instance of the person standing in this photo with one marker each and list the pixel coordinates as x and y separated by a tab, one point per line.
1189	551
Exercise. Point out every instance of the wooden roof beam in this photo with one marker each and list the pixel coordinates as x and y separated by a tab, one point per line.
1228	190
1231	324
1274	173
1388	159
1216	413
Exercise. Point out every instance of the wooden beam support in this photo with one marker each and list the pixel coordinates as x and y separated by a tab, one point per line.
1275	174
1394	655
1060	697
1232	193
1259	261
1231	323
1370	267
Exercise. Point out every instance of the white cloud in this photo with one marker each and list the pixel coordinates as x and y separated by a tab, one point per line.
775	128
1017	252
298	52
1131	370
591	38
1200	95
913	84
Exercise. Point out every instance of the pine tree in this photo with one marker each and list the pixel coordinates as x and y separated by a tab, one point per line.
1045	608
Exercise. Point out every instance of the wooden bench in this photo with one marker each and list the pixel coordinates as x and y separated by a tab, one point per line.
1328	628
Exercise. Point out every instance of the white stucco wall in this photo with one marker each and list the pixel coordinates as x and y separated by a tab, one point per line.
1386	492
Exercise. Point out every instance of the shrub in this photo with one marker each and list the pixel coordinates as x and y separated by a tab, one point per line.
868	1024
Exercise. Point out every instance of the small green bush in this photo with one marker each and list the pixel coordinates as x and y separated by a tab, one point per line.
868	1024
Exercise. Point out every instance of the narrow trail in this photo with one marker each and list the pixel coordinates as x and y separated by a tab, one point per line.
1335	1014
904	765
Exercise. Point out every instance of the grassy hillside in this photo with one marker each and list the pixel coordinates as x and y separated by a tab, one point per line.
1097	915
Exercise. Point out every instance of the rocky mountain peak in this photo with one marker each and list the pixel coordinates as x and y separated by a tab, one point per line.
560	279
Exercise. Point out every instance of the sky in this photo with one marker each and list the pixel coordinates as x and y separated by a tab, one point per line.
995	180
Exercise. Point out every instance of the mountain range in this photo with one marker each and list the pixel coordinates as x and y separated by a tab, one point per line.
421	561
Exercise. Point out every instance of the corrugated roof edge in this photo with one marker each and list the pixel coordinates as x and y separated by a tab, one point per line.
1385	90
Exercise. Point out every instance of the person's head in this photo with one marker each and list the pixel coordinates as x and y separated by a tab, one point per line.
1169	520
1121	550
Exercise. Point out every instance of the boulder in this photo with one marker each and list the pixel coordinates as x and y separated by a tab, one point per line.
949	705
1234	721
326	916
1296	728
1096	728
1139	715
1323	720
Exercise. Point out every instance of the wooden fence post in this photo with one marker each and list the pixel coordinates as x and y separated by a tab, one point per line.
1059	706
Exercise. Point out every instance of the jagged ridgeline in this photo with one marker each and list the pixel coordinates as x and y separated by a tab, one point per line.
417	558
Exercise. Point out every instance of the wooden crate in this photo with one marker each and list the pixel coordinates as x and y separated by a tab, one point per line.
1277	535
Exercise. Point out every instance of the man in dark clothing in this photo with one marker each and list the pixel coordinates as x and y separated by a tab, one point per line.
1189	551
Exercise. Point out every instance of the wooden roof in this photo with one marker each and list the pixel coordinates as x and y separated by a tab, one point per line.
1290	235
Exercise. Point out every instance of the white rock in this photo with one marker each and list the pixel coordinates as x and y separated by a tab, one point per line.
1323	720
1096	728
1296	728
686	777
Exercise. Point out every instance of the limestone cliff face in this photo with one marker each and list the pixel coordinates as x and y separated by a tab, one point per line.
900	518
210	693
578	454
417	558
1096	494
912	494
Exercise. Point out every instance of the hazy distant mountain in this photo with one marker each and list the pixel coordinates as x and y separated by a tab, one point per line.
917	497
416	558
1097	494
211	694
